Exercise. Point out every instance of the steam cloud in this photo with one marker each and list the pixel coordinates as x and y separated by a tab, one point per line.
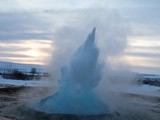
77	81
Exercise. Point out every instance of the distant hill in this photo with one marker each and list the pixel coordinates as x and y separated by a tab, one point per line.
10	66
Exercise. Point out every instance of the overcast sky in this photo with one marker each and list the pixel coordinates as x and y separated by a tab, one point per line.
127	30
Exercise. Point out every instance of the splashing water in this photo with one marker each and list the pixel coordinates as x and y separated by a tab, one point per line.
76	95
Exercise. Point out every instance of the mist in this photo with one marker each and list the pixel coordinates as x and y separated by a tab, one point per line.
111	39
101	75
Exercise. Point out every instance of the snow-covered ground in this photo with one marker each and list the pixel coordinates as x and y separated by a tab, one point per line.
28	83
143	89
6	67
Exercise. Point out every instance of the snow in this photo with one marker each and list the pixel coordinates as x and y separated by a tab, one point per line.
145	90
137	89
27	83
149	76
6	67
141	90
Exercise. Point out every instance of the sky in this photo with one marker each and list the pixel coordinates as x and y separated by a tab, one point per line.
128	31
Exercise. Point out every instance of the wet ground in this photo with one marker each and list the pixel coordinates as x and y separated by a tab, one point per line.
13	107
13	97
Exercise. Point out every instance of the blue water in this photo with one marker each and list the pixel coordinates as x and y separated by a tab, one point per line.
78	79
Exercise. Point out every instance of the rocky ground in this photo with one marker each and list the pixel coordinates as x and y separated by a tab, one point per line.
12	99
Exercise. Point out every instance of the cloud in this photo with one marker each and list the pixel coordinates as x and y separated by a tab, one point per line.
5	54
146	69
132	3
67	22
26	51
148	55
20	26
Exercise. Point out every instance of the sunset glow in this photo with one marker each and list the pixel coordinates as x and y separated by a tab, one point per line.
29	28
28	52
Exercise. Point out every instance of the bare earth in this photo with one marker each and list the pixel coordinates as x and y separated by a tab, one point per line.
11	97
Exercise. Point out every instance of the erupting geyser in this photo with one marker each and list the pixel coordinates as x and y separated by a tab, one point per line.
76	95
